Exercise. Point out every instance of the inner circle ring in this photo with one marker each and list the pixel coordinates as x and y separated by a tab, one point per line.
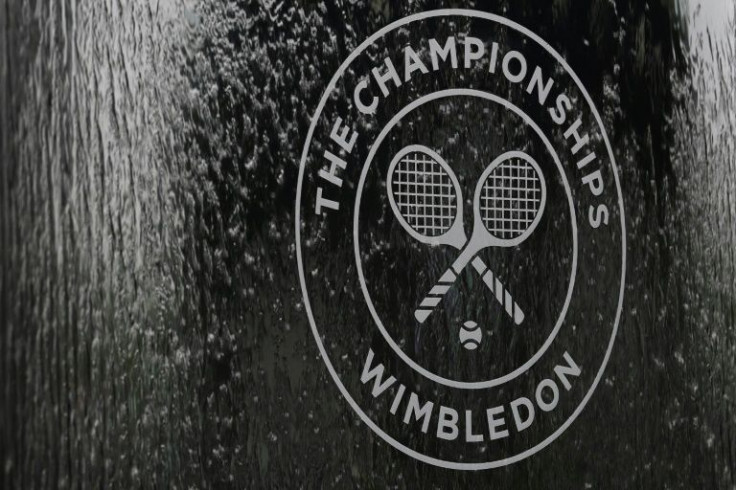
302	279
475	385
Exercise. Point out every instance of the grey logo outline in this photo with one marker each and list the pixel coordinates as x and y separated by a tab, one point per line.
298	202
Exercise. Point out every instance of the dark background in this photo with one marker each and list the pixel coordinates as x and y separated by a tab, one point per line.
151	331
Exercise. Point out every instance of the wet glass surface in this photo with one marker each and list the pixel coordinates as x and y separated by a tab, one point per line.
152	331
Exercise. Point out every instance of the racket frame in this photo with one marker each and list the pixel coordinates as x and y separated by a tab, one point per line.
455	234
480	232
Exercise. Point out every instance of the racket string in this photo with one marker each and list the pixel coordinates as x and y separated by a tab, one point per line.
424	194
511	198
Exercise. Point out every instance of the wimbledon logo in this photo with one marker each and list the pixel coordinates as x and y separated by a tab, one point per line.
460	238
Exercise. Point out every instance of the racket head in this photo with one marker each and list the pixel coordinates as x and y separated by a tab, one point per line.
425	196
510	198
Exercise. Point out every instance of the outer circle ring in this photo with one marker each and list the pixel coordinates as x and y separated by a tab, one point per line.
297	218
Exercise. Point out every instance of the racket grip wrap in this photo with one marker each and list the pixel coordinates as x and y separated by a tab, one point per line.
434	297
501	294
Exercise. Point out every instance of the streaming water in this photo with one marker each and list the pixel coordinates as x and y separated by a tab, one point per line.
151	327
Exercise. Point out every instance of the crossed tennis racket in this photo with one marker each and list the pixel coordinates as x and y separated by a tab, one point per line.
426	198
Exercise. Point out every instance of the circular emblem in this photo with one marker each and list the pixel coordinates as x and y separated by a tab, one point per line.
460	238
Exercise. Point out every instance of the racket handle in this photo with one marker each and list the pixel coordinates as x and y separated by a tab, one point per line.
428	304
504	298
499	291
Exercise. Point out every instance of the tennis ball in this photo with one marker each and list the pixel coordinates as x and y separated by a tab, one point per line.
470	335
